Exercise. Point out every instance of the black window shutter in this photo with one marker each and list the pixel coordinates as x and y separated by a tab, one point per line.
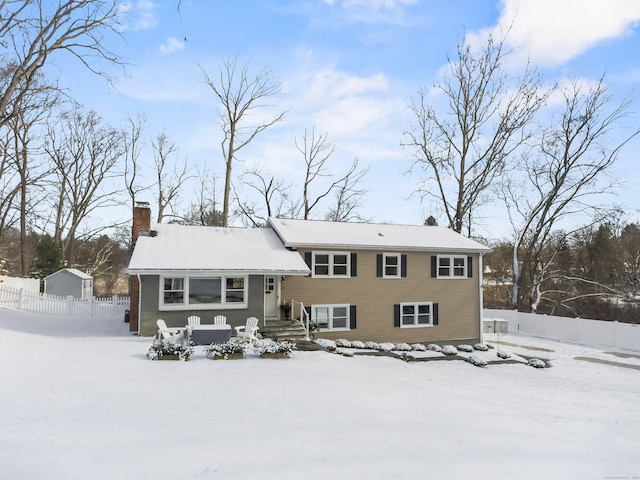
352	317
434	314
469	267
434	266
403	265
354	264
307	258
379	265
396	315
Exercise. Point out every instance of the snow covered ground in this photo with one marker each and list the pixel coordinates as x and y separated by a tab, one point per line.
79	400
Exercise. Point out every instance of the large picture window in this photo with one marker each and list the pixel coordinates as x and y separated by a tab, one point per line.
331	317
331	264
191	292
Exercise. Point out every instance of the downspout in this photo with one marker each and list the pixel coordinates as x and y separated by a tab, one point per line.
139	302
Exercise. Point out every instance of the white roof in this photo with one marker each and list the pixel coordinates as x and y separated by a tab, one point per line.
72	271
368	236
247	250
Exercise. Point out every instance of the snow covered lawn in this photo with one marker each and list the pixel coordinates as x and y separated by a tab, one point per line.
79	400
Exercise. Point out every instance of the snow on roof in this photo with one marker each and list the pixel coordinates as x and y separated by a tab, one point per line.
180	247
72	271
322	234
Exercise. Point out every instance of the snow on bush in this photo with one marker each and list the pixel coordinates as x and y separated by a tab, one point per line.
418	347
477	361
326	344
481	347
434	348
403	347
503	355
372	345
357	344
386	347
270	346
465	348
343	342
344	353
449	350
536	363
224	349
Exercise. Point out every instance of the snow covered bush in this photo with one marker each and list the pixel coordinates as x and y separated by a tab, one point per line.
418	347
386	346
268	346
343	342
357	344
502	354
477	361
465	348
326	344
161	348
536	363
481	347
449	350
434	348
372	345
403	347
344	353
226	349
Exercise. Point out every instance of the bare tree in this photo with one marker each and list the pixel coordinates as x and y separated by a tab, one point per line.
560	180
32	31
348	196
133	144
460	150
241	95
85	153
169	183
204	210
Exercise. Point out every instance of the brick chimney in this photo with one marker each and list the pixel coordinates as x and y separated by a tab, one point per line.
141	224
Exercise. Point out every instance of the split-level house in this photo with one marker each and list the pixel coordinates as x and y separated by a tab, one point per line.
359	281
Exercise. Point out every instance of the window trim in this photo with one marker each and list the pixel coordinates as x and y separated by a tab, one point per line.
224	304
416	324
331	307
452	267
398	265
331	265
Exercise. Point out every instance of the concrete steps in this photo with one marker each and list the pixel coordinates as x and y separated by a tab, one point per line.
290	330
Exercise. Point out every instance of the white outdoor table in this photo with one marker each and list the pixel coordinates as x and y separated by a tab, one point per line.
208	334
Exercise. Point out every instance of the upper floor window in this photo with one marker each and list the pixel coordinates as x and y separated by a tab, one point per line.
452	266
202	292
331	264
391	267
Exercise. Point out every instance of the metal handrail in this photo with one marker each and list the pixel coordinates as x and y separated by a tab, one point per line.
303	319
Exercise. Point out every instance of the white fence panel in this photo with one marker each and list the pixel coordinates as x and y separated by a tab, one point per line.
29	284
68	306
577	330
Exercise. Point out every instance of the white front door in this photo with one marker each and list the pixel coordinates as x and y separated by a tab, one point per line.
270	297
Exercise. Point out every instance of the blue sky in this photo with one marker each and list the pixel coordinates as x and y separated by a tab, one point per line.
349	68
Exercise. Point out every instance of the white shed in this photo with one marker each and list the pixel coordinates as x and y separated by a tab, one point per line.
69	281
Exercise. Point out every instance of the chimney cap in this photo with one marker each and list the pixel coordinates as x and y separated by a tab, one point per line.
142	204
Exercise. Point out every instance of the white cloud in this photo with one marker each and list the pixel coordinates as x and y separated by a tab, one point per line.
371	4
171	45
551	32
140	13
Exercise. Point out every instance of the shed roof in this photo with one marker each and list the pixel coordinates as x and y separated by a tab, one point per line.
182	248
322	234
72	271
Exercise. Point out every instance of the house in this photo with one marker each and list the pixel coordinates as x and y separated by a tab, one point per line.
391	283
69	282
386	283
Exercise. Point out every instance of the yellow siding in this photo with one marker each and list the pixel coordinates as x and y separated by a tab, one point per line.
375	297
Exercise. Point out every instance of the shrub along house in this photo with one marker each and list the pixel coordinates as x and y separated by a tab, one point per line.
391	283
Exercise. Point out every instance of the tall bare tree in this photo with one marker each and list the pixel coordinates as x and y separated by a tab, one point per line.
85	153
462	147
349	194
560	180
170	178
204	209
242	95
32	31
133	144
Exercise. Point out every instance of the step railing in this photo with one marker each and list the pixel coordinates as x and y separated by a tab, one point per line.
303	318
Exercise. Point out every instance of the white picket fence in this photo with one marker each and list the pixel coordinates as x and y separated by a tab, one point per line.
22	299
577	330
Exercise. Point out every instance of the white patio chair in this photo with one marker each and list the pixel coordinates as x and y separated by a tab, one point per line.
171	334
193	320
219	320
248	331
